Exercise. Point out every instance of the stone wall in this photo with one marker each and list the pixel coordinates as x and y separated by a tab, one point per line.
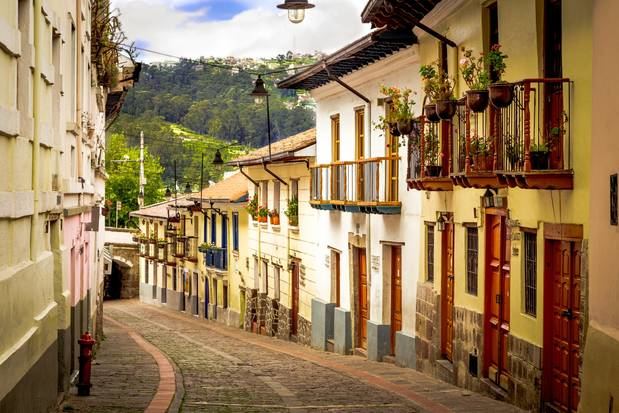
251	309
469	341
261	311
525	367
123	254
304	333
283	323
427	328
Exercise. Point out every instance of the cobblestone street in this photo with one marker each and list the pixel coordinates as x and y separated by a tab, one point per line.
222	369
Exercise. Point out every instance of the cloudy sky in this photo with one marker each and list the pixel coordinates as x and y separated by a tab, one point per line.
241	28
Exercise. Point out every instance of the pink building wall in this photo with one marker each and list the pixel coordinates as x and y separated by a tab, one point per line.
77	241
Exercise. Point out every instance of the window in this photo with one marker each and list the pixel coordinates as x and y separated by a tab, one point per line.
196	225
492	18
224	231
256	273
276	272
73	161
392	147
472	247
294	189
213	227
335	138
530	273
264	194
265	277
360	133
276	192
430	252
156	229
235	231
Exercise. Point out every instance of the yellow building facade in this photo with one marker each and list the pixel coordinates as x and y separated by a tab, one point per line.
503	269
53	117
193	252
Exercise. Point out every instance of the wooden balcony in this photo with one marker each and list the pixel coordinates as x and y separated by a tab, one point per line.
525	145
161	251
429	157
152	249
170	247
368	186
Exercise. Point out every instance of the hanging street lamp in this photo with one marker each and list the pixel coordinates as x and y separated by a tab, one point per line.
296	9
260	94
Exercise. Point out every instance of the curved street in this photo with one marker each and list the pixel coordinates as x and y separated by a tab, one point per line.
221	369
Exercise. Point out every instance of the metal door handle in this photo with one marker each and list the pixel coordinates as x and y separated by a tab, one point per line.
567	313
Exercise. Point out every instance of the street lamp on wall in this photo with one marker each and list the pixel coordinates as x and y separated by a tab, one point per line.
260	94
296	9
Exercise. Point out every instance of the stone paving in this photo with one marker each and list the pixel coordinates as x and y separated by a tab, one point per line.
229	370
121	366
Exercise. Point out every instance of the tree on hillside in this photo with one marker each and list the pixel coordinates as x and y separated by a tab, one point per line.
124	184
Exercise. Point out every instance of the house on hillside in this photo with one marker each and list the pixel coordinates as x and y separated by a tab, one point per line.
283	277
370	224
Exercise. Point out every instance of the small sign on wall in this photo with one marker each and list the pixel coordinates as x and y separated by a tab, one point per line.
375	263
614	218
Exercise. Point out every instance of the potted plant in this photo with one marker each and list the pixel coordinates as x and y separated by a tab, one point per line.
481	153
274	215
430	86
477	79
204	247
513	151
439	88
263	214
252	207
401	114
501	92
292	212
432	155
539	155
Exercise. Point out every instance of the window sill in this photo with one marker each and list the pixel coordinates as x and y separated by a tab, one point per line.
276	228
294	230
263	225
254	224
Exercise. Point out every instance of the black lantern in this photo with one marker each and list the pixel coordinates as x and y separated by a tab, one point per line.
488	199
218	160
259	93
187	188
296	9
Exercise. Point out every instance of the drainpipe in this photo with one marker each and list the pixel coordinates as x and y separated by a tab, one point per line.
78	90
36	91
368	149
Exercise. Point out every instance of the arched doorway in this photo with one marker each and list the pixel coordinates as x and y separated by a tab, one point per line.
117	283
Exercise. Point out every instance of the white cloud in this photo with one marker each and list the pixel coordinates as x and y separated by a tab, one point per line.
261	31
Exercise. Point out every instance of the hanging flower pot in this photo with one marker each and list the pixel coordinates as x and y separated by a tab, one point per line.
477	100
539	160
501	94
405	126
446	109
430	111
393	129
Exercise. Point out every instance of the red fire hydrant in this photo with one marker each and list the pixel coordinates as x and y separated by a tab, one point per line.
86	342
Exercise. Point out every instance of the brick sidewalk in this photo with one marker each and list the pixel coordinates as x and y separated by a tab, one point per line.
125	377
292	369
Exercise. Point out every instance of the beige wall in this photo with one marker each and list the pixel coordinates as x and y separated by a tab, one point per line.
601	361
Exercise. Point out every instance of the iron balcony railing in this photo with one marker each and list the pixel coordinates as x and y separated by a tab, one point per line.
152	248
373	181
532	134
216	258
161	251
170	247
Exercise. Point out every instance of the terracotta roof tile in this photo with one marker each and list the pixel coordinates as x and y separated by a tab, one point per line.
160	210
293	143
232	189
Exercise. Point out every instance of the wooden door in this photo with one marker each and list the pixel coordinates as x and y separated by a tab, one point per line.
396	293
364	309
562	325
496	329
447	292
294	326
337	276
206	297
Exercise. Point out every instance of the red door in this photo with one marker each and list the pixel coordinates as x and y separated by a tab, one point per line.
496	329
396	293
294	325
364	311
447	293
562	325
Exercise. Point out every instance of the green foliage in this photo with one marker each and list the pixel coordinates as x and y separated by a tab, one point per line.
436	83
480	146
292	211
431	148
123	184
252	207
496	62
474	70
